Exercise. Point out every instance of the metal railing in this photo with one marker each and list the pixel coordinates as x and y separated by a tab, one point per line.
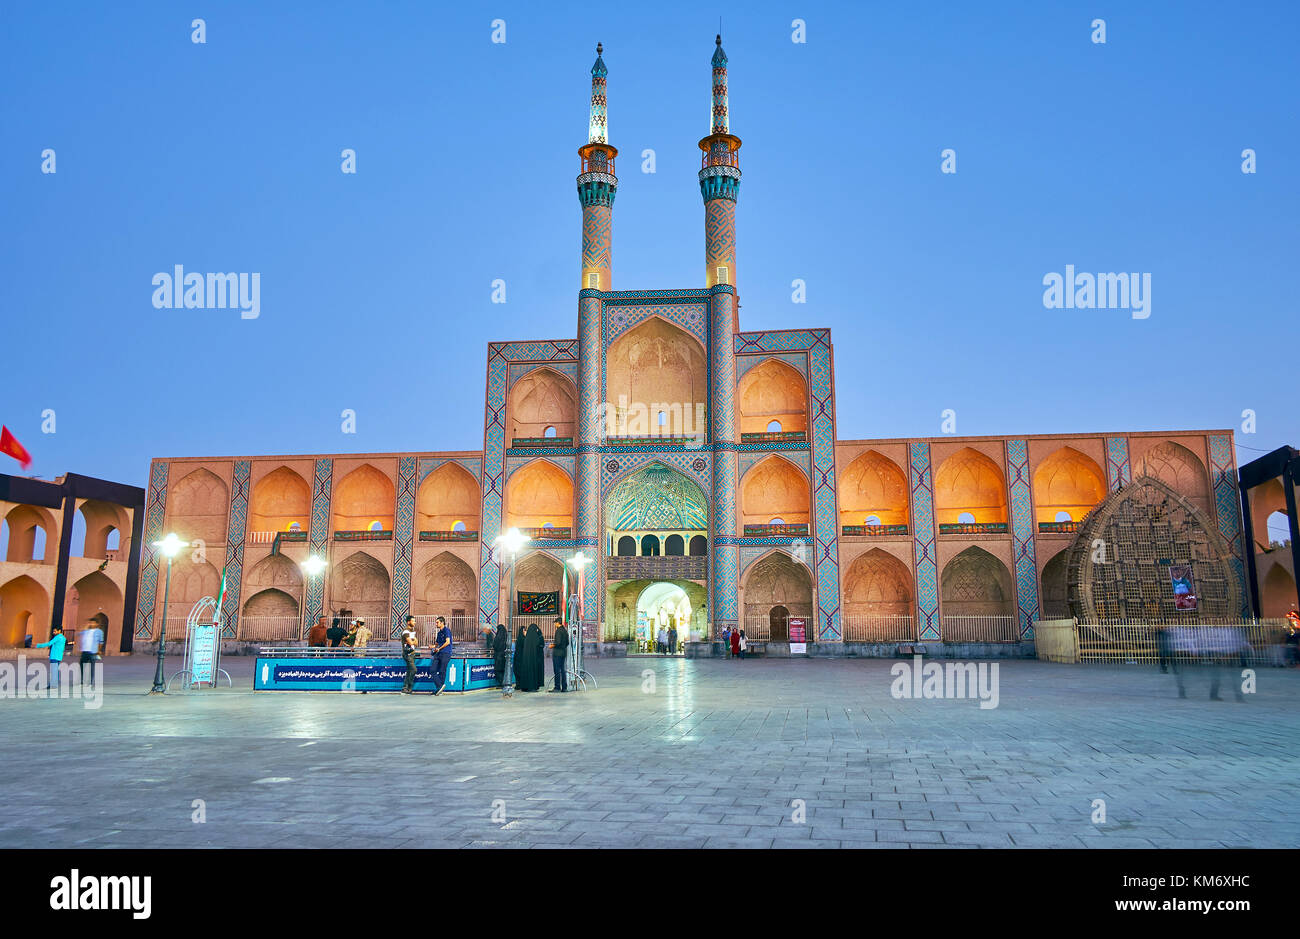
879	627
963	628
266	628
1255	642
463	629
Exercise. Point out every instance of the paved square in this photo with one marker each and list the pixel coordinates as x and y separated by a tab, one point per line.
714	756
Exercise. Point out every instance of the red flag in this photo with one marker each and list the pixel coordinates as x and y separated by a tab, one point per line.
13	448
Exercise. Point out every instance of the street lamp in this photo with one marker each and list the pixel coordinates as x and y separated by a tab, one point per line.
170	547
312	566
511	541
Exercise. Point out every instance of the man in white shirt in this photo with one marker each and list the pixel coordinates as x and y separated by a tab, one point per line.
90	642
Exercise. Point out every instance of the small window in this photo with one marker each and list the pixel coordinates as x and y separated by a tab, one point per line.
777	521
113	541
663	418
872	520
457	526
294	526
966	518
722	274
774	427
593	281
548	524
376	526
549	432
1063	516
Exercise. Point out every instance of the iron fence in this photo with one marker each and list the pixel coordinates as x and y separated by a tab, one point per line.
964	628
1251	642
879	627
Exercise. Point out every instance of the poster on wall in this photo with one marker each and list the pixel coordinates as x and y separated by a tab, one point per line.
539	604
1180	575
798	635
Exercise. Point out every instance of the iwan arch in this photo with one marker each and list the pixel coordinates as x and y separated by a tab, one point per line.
699	463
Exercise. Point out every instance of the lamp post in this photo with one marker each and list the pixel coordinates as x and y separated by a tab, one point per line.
579	562
169	546
511	541
312	566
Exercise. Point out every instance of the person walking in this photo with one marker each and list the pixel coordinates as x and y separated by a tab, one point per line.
90	642
409	640
744	644
559	653
441	653
726	642
735	643
55	645
672	639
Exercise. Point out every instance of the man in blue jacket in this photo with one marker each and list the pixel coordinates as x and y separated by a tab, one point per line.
56	645
441	655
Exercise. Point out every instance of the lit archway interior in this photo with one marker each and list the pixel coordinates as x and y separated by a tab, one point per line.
1067	482
656	500
448	495
280	498
363	497
666	605
969	483
873	486
539	495
772	391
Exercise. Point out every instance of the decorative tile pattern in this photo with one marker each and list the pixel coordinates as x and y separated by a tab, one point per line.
927	563
1227	508
403	538
1022	536
322	488
796	360
688	463
515	463
428	464
619	318
720	236
154	512
725	574
596	233
800	458
518	370
236	533
1118	473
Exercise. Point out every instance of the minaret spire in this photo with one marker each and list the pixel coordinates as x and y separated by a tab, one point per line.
720	182
597	186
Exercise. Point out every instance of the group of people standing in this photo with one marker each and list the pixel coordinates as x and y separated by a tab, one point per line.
90	643
666	640
439	651
734	643
529	663
355	635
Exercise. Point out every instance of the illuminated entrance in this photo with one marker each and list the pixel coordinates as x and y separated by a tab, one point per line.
662	607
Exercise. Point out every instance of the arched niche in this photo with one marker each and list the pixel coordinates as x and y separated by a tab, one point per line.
97	595
773	581
774	488
443	585
281	498
1067	482
24	611
197	507
448	495
873	486
655	368
1178	468
968	481
361	584
541	400
102	519
32	535
772	391
878	584
363	497
537	494
975	583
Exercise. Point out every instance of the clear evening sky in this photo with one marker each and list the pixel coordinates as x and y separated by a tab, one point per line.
376	287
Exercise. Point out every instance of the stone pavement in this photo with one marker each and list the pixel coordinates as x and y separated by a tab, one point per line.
716	755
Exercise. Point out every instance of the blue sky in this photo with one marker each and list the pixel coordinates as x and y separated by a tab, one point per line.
376	287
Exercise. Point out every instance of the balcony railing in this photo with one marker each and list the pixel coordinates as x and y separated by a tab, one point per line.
771	531
384	535
1049	528
656	567
875	531
533	443
972	528
774	436
551	534
449	536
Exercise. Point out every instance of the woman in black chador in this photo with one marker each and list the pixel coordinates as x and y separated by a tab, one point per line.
500	642
536	648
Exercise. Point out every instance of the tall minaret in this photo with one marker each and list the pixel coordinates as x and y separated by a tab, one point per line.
597	186
720	183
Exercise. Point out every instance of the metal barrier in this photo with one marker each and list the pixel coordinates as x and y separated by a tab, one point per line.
1254	642
265	628
463	629
884	627
963	628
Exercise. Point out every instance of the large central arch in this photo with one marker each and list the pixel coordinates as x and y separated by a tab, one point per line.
656	382
656	502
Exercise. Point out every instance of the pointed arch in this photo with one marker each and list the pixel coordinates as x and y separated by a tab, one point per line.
1265	499
362	497
274	570
538	493
197	507
363	586
96	594
1277	592
24	611
772	391
774	488
444	582
23	522
101	520
655	367
280	498
878	584
192	580
1054	587
448	495
1067	481
537	572
968	481
873	485
775	582
542	399
656	497
975	583
1178	468
270	603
